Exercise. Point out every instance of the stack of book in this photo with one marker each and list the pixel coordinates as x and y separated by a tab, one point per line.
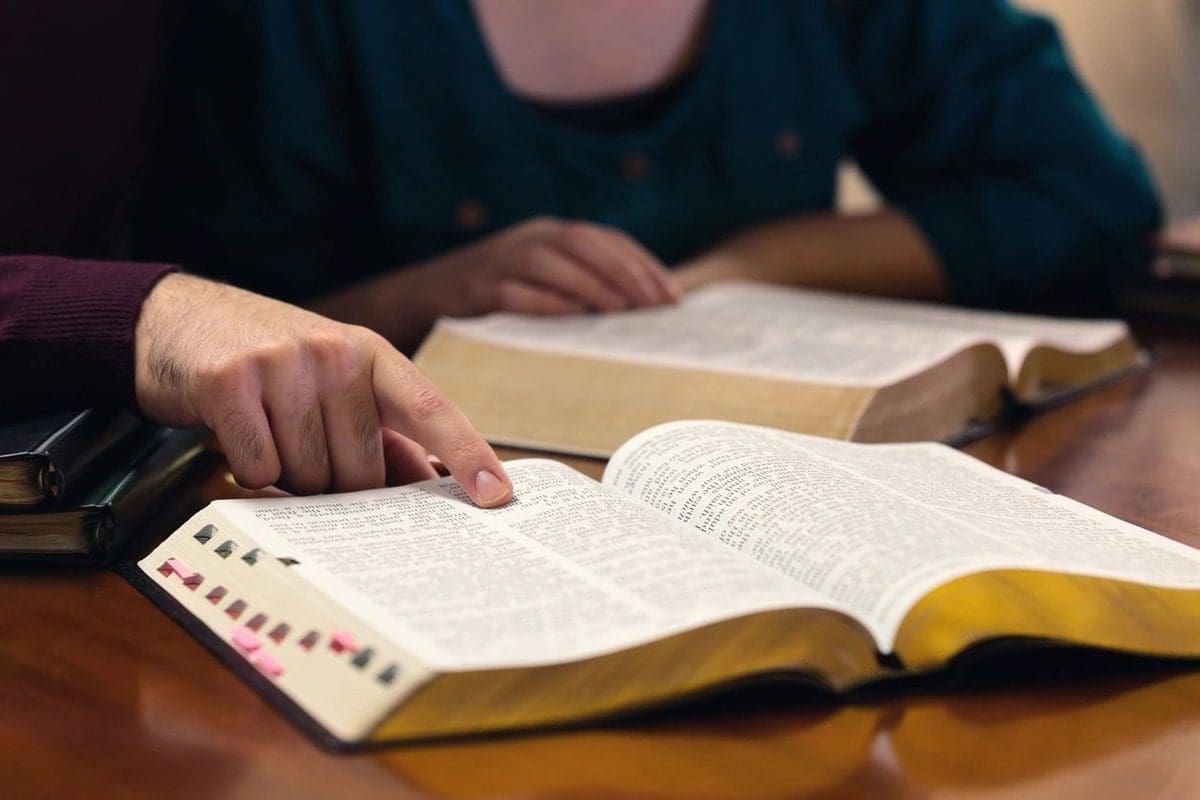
74	486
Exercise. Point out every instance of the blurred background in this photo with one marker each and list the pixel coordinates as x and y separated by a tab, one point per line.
1142	59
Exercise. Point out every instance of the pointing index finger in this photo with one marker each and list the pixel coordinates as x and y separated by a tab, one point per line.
410	404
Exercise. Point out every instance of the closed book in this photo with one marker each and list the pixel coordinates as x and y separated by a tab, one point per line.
51	459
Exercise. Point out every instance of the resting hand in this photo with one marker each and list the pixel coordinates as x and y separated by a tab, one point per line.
296	399
546	266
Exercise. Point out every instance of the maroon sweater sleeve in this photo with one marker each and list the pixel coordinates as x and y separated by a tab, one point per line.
66	330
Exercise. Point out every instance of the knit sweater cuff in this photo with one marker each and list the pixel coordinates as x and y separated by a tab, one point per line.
67	328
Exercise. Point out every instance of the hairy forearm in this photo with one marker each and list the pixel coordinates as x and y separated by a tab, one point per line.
882	253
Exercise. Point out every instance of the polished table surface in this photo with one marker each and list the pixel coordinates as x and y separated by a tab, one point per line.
101	695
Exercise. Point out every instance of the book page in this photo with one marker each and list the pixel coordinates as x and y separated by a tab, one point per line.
1014	334
875	527
791	334
567	570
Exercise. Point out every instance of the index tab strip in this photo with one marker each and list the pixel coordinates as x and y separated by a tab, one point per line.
343	642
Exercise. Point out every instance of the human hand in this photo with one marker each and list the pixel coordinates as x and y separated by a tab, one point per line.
543	266
296	399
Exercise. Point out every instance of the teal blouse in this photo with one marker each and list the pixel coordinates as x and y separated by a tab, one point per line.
315	143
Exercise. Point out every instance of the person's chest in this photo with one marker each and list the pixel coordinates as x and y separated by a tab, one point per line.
756	131
580	50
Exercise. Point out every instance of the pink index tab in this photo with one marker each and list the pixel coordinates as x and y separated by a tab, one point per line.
268	664
190	578
179	569
343	641
245	640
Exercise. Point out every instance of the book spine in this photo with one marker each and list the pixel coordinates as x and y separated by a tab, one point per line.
58	448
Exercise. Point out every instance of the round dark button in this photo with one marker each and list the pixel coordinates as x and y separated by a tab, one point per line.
636	166
470	215
788	144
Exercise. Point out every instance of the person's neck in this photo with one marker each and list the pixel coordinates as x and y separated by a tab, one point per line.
586	50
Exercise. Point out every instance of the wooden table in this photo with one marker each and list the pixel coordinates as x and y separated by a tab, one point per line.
101	695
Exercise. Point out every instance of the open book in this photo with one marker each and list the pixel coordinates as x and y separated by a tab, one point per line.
710	553
832	365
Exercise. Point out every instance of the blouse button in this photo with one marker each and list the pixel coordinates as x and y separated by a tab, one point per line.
635	167
787	144
470	215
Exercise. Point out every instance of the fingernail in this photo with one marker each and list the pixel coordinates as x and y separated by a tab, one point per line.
489	488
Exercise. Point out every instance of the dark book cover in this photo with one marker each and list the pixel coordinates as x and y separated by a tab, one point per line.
59	458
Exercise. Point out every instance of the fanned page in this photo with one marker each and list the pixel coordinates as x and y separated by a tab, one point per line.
874	527
566	571
793	334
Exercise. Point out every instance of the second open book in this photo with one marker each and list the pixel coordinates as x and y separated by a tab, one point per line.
845	367
711	552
